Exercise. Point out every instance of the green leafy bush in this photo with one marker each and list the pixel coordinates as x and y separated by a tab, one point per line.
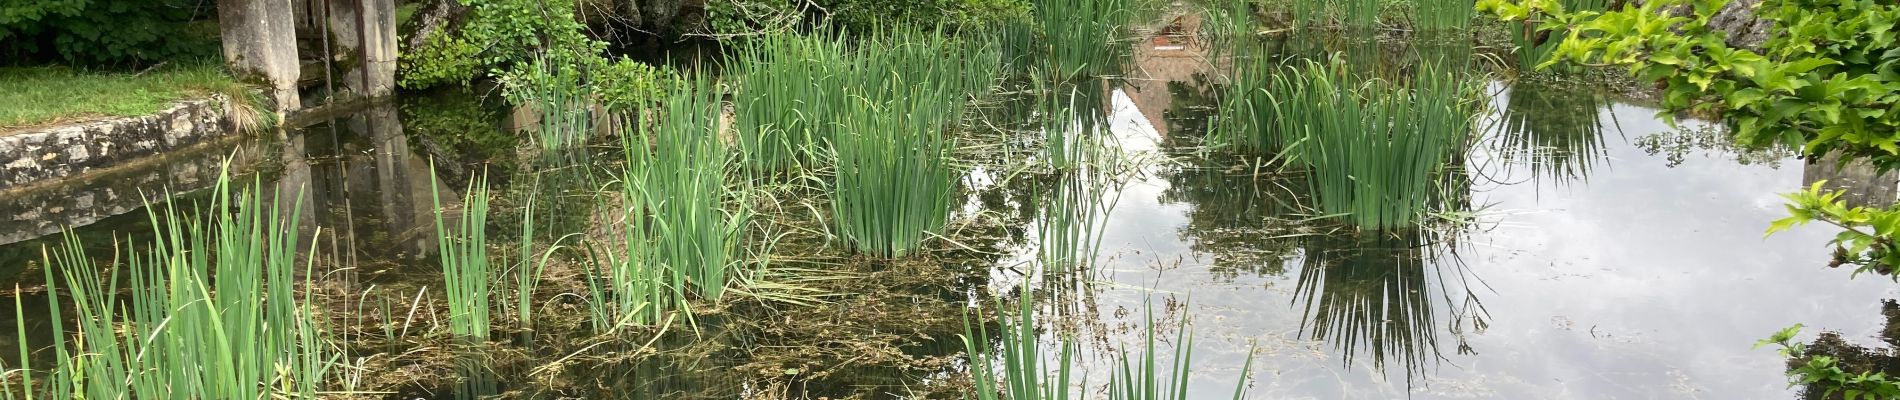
499	34
1827	77
741	17
106	32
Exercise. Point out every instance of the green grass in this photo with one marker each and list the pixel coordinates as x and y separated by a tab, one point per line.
37	96
174	332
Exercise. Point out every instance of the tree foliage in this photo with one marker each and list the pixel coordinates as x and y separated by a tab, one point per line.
1827	78
105	32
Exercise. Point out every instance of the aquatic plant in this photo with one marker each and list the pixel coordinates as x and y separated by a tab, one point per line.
466	273
1025	374
1244	119
565	115
1443	18
1374	150
1082	38
1335	14
1070	231
468	282
677	168
789	87
893	181
174	332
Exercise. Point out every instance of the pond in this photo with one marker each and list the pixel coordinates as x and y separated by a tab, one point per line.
1600	253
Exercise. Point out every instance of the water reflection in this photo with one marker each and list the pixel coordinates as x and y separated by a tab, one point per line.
363	183
1862	184
1556	134
1379	296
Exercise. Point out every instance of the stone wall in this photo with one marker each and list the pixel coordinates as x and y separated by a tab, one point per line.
46	209
42	155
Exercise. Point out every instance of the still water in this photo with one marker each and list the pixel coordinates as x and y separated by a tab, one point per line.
1607	254
1631	265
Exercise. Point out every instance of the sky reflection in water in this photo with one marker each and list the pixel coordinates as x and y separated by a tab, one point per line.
1622	274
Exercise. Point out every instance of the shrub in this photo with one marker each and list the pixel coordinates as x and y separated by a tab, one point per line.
106	32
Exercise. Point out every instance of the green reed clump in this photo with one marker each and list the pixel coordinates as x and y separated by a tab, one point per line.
1374	149
892	188
1025	373
1082	38
1140	377
468	282
1070	231
678	236
678	168
1442	17
1335	14
564	112
467	276
174	332
789	87
1245	117
893	179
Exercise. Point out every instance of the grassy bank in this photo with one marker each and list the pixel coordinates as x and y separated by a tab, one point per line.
39	96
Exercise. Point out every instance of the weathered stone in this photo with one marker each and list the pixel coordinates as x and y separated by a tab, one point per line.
260	46
46	209
363	32
70	150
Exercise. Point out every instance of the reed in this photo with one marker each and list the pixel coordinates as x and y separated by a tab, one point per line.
467	275
1020	367
1070	232
1353	15
789	87
174	332
468	281
1374	150
893	179
1138	377
1244	119
1082	38
1442	18
564	113
678	169
1026	372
